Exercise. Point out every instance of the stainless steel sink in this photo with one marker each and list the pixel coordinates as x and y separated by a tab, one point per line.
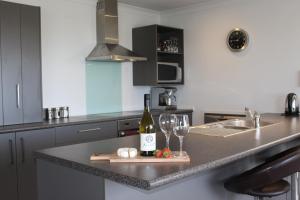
242	124
227	128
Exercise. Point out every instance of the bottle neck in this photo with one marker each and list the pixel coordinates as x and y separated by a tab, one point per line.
147	105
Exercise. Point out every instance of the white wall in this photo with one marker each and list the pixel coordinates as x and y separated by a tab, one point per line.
68	36
130	17
260	77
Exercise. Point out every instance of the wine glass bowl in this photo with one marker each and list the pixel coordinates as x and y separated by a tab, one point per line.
181	129
167	124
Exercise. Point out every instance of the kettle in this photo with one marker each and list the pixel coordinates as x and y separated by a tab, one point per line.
291	104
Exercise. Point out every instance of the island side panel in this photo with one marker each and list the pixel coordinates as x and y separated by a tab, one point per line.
196	188
56	182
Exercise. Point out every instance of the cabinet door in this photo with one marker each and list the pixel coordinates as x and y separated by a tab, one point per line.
11	63
86	133
27	143
31	64
1	105
8	167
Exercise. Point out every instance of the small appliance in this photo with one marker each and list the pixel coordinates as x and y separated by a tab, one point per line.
291	105
163	98
169	72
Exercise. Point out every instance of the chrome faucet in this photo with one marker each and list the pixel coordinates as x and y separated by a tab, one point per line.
253	116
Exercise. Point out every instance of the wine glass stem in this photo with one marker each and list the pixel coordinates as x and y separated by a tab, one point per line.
181	144
167	141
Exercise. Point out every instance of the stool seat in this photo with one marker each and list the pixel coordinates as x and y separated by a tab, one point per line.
271	190
265	180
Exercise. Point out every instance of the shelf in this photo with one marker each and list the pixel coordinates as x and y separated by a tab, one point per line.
165	52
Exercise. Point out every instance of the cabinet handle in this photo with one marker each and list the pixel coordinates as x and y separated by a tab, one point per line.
11	150
22	150
18	95
88	130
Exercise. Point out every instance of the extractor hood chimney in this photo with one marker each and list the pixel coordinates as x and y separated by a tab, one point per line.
108	48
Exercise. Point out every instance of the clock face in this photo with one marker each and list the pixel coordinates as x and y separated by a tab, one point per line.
237	40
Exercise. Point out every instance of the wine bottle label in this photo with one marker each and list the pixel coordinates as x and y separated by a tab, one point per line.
148	141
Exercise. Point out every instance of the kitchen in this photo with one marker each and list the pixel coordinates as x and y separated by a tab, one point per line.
216	79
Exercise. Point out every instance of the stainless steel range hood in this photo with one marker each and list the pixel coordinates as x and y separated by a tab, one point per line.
108	48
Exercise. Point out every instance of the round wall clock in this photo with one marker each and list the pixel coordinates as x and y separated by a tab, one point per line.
237	40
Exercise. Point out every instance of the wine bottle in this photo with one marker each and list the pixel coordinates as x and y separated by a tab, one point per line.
147	130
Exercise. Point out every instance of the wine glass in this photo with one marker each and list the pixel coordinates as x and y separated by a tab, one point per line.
181	129
167	124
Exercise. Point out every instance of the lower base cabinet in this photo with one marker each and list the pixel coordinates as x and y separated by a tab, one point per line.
8	167
17	164
75	134
26	143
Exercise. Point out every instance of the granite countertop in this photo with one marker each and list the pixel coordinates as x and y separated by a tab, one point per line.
207	152
82	120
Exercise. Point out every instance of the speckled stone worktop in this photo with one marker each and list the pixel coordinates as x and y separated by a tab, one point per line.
207	152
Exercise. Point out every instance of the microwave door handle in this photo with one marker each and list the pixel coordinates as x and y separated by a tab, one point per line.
179	74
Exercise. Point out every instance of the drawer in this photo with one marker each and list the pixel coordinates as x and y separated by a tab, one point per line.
128	124
85	133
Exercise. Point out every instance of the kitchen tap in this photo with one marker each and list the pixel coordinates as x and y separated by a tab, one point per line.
253	117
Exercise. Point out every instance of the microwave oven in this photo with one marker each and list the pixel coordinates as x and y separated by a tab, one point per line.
168	72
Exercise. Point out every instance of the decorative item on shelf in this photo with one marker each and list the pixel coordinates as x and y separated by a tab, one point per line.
48	113
237	40
56	113
64	112
169	46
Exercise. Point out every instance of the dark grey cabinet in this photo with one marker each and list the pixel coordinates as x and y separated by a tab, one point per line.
11	63
17	166
27	142
31	64
21	63
1	103
151	42
8	167
86	133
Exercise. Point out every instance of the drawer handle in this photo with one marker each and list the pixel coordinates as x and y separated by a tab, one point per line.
88	130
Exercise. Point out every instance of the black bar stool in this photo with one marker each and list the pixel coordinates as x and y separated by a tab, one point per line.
266	180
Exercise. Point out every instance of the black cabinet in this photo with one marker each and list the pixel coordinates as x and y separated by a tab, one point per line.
11	63
21	63
17	166
86	133
8	167
160	44
31	64
27	142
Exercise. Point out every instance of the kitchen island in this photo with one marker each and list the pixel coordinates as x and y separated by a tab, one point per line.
67	173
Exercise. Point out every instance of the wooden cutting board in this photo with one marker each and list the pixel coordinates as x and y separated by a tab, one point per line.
113	158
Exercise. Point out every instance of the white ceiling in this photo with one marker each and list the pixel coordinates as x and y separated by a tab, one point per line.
160	5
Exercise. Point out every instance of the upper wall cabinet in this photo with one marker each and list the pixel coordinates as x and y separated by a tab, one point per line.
164	48
20	60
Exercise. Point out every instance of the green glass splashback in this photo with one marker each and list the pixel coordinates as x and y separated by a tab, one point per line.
103	87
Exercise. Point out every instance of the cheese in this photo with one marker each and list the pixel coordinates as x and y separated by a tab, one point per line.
127	152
